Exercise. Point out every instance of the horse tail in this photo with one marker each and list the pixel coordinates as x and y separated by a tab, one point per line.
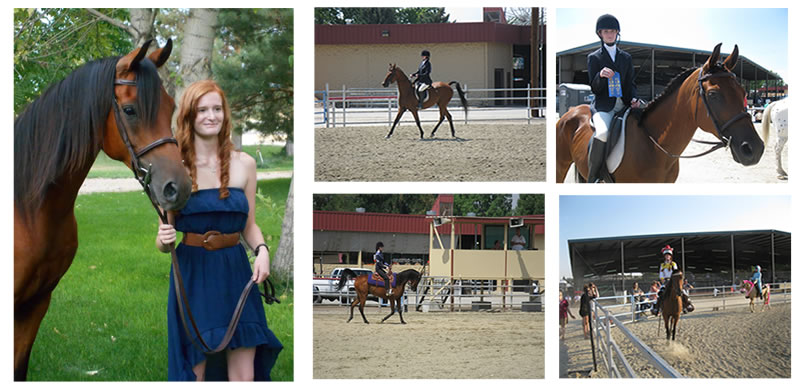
347	274
461	95
765	119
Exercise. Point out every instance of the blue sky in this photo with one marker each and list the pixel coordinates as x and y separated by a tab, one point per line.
608	216
761	33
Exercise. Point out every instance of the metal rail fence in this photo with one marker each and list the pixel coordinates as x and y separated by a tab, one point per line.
442	294
342	107
616	311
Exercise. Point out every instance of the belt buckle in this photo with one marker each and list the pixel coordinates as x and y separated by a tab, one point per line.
208	239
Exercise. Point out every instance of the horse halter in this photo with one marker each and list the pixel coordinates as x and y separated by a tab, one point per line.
141	173
725	141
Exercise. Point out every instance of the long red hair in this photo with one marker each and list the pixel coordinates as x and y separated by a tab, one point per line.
185	132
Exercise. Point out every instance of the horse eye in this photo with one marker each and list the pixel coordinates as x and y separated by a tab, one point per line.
129	110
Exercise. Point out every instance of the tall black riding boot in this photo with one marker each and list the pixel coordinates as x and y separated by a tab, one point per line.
597	153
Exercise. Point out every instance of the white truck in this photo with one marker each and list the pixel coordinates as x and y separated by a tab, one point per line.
325	287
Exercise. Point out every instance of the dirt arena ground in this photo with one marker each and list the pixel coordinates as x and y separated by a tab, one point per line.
468	345
719	166
479	153
709	344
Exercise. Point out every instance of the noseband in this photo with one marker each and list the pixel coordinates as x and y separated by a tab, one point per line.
141	173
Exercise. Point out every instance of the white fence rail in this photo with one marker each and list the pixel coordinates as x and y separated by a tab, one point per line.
342	107
442	294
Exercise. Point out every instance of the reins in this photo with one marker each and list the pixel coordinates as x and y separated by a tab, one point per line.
143	176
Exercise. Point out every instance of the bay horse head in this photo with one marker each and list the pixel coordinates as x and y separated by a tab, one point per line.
726	115
139	128
391	75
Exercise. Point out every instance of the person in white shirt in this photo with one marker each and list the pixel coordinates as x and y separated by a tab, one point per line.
518	241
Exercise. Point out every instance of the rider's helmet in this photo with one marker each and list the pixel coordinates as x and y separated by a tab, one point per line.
426	53
606	22
379	245
666	250
758	268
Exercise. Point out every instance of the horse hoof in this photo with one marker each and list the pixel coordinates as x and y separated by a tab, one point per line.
387	137
402	322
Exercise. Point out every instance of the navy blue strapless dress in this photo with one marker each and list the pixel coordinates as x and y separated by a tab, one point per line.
214	280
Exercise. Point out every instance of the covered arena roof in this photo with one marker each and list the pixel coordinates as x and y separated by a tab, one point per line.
662	62
705	257
407	223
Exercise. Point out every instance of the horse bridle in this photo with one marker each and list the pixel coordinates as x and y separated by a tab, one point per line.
720	130
143	175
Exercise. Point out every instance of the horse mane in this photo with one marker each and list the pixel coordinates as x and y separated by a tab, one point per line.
407	275
673	85
61	131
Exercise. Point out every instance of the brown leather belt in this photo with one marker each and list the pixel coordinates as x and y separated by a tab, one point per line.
211	240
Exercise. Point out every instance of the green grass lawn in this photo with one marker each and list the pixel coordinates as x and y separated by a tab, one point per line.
107	319
273	160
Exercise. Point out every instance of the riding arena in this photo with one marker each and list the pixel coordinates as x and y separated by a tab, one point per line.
721	338
369	127
475	314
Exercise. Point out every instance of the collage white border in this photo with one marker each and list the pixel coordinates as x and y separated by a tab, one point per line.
304	184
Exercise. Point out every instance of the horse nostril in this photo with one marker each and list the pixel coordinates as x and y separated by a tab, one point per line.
170	192
746	149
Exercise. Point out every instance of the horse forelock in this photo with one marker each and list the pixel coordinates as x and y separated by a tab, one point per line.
61	131
148	92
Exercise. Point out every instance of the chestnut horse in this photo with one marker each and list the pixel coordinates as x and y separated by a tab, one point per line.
708	97
114	104
439	93
672	305
752	294
410	276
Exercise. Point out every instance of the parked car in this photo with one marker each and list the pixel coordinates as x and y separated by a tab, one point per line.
325	287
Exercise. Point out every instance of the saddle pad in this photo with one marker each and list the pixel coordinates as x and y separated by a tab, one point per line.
614	157
377	280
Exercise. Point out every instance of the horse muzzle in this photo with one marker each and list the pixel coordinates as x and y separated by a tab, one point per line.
748	153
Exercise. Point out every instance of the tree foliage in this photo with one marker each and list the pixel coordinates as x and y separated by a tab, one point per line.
254	66
417	15
49	43
483	205
529	204
375	203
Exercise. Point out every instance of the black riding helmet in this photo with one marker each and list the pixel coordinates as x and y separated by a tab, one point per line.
606	22
378	245
426	53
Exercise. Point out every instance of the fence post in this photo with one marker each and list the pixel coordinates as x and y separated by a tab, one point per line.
464	107
633	308
344	106
529	103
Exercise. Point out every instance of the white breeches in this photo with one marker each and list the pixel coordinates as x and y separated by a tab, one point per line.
602	120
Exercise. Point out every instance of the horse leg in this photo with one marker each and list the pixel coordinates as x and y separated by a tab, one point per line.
450	121
400	112
391	305
441	118
779	144
416	118
400	308
353	306
26	325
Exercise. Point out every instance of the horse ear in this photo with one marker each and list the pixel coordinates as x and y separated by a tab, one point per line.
730	61
131	61
713	59
160	56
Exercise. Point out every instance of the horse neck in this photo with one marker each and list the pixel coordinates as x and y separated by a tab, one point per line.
403	84
674	121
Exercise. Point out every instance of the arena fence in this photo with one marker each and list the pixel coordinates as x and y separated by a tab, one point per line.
342	107
442	294
608	348
616	311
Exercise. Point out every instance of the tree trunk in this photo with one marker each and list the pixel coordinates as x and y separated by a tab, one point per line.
143	21
197	47
283	262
